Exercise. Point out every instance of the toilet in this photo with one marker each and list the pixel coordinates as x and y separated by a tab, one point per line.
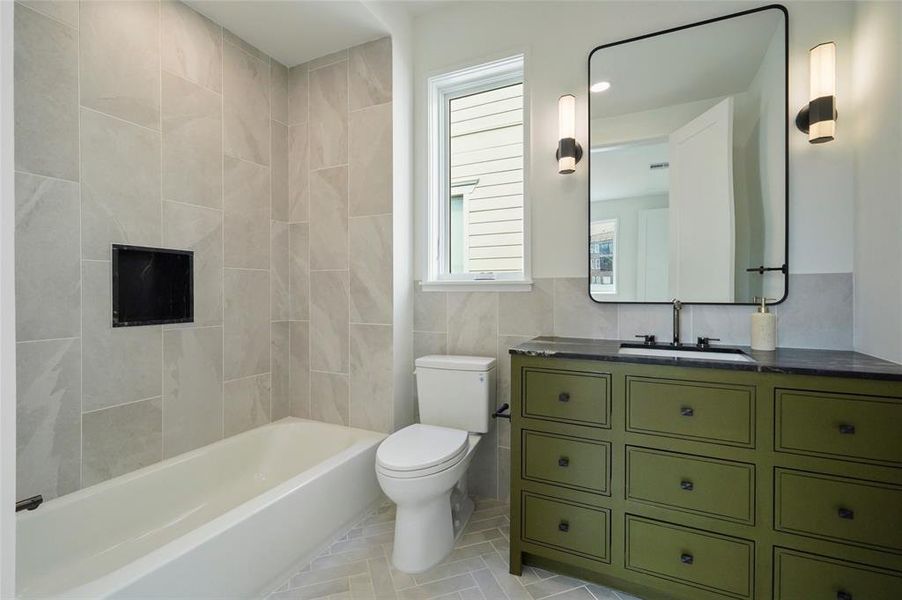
423	467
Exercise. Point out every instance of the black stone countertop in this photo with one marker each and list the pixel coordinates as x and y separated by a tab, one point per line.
831	363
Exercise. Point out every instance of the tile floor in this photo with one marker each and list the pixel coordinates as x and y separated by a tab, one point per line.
358	566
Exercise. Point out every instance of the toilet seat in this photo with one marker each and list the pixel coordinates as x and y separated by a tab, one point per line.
419	450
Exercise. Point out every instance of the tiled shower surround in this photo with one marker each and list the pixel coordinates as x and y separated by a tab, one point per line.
818	314
146	123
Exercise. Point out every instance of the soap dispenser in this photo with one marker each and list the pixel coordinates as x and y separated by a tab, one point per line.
764	327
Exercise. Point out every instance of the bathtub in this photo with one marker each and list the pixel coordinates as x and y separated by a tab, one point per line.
226	520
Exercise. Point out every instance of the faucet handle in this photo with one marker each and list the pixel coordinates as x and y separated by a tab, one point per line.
648	339
705	342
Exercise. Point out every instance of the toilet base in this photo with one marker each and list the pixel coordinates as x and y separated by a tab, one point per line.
424	534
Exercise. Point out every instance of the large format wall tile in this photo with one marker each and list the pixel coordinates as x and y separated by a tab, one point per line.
818	312
61	10
231	38
527	313
576	315
298	175
430	310
120	185
48	418
503	369
329	219
371	269
279	272
245	90
119	62
298	272
280	367
247	403
473	323
121	364
280	82
246	219
371	161
48	272
191	45
329	397
297	94
192	143
46	95
280	146
192	388
328	118
246	322
199	229
647	319
370	74
329	321
121	439
299	384
328	59
371	377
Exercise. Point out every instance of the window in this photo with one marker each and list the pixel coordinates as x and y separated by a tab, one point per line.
603	257
477	137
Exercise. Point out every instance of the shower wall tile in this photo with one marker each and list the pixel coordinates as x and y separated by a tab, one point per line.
328	117
297	94
280	145
120	191
192	389
504	474
371	377
329	321
122	364
279	271
46	95
192	143
252	50
246	323
299	367
329	397
371	269
121	439
247	403
119	61
298	175
298	272
280	83
427	342
246	95
61	10
199	229
329	219
191	45
473	323
430	310
48	271
48	418
576	315
246	214
328	59
280	361
371	161
370	74
528	313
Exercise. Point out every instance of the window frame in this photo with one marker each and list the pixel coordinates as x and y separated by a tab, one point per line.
443	88
613	290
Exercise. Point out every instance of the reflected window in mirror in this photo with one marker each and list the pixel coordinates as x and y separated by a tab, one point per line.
603	257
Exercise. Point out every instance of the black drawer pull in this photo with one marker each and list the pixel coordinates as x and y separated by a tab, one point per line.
563	526
686	411
846	513
687	485
563	462
564	397
686	559
846	429
843	595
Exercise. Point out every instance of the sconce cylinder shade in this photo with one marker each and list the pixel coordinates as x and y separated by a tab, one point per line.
569	152
822	93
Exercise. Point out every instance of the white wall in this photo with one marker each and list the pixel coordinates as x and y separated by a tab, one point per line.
874	109
557	38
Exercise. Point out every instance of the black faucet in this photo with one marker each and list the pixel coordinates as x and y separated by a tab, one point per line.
705	342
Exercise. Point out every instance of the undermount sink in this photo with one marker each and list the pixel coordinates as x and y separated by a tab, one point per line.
711	354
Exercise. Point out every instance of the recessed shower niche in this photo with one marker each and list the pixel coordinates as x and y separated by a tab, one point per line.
152	286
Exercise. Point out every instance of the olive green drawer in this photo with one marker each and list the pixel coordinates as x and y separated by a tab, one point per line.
844	510
567	396
561	525
805	576
697	484
842	426
692	557
710	412
571	462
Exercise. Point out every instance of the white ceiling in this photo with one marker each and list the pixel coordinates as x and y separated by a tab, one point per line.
623	171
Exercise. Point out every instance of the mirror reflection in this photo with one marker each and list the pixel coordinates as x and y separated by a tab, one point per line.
687	164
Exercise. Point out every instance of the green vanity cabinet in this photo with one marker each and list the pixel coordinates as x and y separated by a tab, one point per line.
707	482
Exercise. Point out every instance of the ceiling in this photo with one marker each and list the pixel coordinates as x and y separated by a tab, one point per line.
623	171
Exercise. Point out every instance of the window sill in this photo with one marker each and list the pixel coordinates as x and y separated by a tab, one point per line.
521	285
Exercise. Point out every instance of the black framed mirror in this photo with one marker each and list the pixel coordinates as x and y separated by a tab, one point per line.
689	163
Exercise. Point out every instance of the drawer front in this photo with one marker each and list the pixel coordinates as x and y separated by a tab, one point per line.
709	412
690	556
840	426
567	396
844	510
565	526
697	484
571	462
799	575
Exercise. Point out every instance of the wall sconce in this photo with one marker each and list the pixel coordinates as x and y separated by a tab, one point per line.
818	117
568	149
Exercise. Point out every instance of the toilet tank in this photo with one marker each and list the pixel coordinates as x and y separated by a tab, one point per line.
456	391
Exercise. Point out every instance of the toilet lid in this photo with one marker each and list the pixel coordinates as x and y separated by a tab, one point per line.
419	446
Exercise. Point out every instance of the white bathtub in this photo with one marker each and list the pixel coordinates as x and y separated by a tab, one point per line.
226	520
